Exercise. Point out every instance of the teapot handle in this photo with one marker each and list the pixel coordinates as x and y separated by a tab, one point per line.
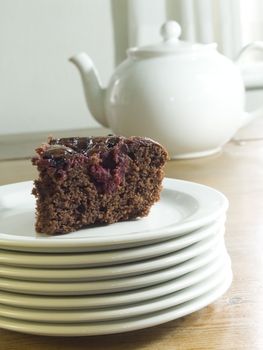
250	116
253	46
251	81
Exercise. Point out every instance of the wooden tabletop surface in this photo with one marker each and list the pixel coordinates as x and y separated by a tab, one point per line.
235	321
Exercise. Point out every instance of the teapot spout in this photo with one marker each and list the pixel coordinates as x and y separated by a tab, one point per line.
94	93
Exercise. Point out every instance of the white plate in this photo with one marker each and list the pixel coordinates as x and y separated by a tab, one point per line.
113	285
131	310
185	206
107	272
118	326
91	301
183	245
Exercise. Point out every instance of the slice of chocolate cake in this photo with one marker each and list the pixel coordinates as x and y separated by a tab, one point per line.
91	180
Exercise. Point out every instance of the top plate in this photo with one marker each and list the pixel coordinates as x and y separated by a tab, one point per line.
184	206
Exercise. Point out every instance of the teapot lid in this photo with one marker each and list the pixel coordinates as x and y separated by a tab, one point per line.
170	32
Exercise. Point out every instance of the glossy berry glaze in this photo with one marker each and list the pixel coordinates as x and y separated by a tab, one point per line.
106	159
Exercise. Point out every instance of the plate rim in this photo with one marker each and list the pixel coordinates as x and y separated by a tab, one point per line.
90	301
163	248
20	242
114	285
124	311
103	272
121	326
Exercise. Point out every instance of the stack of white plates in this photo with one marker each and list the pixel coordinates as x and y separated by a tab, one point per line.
115	278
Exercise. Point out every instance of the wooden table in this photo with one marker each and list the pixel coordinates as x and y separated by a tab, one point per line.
235	321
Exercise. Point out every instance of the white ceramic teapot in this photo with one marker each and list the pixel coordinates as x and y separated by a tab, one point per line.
187	96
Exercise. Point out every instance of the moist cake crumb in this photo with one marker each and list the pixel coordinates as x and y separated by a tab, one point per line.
95	180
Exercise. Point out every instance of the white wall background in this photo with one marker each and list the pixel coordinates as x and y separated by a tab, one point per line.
39	88
41	91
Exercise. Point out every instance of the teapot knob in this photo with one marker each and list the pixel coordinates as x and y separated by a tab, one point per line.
170	31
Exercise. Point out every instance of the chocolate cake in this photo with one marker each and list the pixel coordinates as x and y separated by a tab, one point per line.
95	180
